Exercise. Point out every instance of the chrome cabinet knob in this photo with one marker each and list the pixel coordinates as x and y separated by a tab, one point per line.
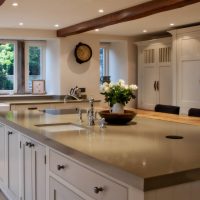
98	189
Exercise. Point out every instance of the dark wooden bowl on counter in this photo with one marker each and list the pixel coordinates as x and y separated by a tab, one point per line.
117	118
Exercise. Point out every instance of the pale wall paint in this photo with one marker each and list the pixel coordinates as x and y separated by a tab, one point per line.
53	81
87	74
63	72
118	61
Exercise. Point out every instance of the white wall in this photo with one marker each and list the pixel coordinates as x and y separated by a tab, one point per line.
118	61
62	70
82	75
87	74
53	81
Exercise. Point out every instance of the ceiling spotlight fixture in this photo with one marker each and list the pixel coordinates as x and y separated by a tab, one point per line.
101	10
56	25
21	23
96	29
172	24
144	31
15	4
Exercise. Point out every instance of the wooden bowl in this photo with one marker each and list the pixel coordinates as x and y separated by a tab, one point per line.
117	118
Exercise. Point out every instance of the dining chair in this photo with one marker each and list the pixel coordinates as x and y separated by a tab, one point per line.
195	112
167	109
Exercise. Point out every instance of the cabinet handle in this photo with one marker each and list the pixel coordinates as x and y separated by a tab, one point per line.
28	144
10	132
32	108
157	85
154	85
59	167
31	145
98	189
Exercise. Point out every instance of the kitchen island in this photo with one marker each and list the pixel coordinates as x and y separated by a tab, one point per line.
152	156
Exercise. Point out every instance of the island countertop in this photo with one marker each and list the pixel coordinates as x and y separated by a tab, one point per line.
138	154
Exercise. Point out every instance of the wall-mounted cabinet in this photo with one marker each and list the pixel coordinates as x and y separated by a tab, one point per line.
154	73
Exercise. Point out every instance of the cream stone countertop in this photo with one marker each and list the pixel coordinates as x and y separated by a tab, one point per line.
43	101
138	154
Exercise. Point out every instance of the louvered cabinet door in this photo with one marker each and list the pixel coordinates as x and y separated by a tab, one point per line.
154	73
164	84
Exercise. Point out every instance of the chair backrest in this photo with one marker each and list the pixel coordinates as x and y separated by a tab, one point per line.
195	112
167	109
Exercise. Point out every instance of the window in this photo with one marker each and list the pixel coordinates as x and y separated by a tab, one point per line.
7	66
104	60
35	53
18	78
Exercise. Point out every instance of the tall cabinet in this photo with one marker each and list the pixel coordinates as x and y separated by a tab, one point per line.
154	73
186	43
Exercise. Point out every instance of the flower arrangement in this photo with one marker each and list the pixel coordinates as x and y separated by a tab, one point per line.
118	93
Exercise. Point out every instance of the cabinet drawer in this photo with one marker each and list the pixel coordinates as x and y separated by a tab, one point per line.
57	191
31	107
85	180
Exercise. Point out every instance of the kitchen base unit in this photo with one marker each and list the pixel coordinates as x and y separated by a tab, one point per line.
133	162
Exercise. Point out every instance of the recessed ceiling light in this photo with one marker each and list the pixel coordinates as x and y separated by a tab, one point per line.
21	23
56	25
14	4
101	10
144	31
96	29
172	24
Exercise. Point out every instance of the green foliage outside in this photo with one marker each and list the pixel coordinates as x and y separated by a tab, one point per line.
34	61
6	65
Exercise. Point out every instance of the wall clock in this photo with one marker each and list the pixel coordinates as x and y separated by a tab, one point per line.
83	52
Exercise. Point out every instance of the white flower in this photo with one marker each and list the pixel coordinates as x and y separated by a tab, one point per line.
105	84
126	87
107	89
133	87
111	84
121	82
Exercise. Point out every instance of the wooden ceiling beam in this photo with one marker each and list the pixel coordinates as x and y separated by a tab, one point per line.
132	13
1	2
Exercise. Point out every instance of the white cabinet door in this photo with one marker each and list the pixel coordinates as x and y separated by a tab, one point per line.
154	73
13	162
34	170
57	191
148	95
188	48
2	154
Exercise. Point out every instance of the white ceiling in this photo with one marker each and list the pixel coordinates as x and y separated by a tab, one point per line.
43	14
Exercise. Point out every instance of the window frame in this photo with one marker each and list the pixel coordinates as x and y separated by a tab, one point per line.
14	90
42	45
106	58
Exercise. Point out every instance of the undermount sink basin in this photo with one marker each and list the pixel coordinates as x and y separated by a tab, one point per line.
63	111
60	127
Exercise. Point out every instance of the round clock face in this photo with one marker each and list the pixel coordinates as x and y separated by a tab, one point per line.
83	53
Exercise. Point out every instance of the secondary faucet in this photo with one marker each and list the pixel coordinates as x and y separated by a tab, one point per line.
90	113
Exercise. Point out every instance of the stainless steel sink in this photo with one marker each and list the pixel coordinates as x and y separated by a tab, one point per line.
60	127
62	111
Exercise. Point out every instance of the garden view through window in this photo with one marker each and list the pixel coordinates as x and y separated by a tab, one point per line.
35	66
10	72
7	66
